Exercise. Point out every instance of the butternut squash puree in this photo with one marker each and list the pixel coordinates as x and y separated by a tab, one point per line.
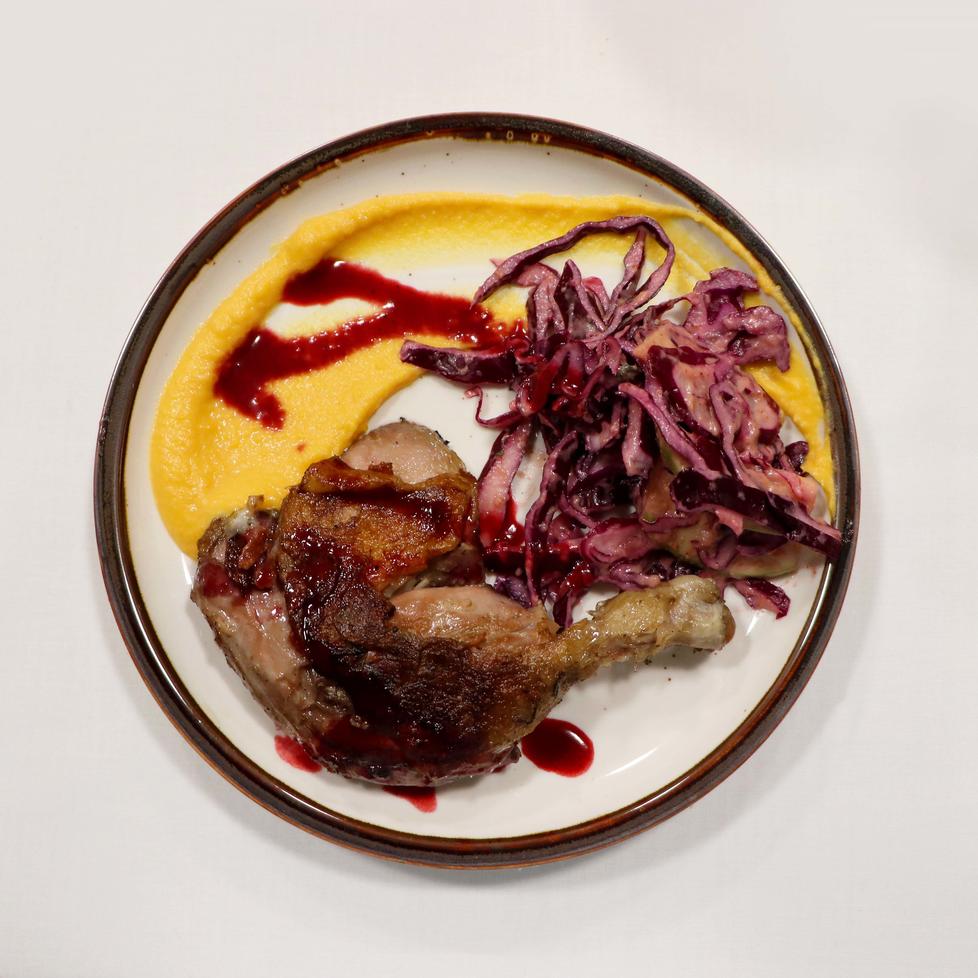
207	459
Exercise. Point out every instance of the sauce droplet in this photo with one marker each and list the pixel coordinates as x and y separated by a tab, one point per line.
292	752
263	356
423	799
559	747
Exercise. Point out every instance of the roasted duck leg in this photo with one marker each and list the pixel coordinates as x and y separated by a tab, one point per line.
413	686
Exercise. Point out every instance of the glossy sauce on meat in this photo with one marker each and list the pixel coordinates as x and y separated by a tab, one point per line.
295	754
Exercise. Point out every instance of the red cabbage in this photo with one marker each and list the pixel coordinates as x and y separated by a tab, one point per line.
492	366
497	509
663	456
759	593
693	492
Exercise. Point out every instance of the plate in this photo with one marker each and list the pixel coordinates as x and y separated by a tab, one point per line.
663	736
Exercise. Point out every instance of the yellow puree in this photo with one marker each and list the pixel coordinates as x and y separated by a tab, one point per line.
207	459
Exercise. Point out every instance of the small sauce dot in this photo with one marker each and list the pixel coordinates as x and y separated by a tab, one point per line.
559	747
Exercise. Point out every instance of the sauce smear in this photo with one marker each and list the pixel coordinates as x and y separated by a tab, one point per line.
559	747
423	799
263	357
292	752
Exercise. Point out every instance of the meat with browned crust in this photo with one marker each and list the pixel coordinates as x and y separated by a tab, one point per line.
433	683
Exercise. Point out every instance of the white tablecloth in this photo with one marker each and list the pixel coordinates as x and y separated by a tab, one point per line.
847	134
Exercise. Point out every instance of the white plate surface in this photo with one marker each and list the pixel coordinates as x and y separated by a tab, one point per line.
648	726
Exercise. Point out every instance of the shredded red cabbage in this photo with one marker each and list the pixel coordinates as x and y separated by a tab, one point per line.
664	456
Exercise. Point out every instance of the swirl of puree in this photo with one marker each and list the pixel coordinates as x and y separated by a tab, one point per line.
292	365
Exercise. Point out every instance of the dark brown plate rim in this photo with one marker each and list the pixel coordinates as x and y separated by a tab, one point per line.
173	697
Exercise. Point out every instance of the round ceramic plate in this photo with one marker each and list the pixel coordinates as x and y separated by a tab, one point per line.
663	735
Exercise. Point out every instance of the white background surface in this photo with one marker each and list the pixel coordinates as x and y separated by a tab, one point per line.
847	134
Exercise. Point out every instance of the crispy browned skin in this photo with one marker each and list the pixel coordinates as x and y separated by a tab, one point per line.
252	626
396	528
414	454
433	684
344	537
530	664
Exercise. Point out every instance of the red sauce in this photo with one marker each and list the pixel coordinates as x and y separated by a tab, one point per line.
503	538
263	357
559	747
212	580
580	575
292	752
502	528
375	752
423	799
